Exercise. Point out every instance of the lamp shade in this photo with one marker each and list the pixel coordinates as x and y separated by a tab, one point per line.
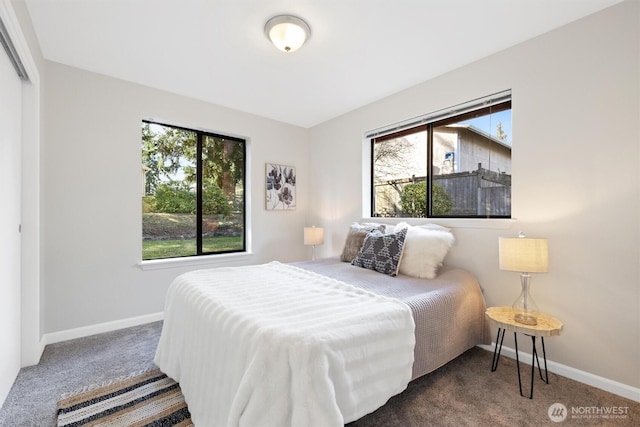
313	236
524	255
288	33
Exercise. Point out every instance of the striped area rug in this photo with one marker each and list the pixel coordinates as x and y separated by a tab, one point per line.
149	399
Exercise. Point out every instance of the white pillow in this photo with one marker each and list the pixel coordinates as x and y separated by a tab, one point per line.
424	251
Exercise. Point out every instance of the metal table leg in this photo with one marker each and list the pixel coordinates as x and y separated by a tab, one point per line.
534	360
497	350
544	357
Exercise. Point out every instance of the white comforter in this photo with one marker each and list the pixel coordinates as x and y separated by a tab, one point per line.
275	345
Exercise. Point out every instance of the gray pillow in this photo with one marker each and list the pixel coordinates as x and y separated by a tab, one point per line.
355	239
381	252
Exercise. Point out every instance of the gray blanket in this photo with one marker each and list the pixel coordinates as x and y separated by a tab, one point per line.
449	311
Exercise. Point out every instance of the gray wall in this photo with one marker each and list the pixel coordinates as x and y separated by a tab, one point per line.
575	103
91	205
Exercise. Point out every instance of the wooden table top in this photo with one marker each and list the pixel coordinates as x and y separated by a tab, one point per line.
503	317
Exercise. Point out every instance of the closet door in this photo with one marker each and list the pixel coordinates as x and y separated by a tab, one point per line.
10	214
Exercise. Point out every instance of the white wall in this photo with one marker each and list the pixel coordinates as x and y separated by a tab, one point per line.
10	186
576	158
91	205
20	303
26	43
20	307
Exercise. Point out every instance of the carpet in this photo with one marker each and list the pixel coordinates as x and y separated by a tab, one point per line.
148	399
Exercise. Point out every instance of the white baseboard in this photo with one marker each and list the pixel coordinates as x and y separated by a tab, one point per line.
41	346
36	357
602	383
86	331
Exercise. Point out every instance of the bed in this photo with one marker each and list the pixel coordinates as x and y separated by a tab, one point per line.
316	343
448	310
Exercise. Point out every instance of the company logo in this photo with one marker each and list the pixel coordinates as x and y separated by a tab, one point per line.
557	412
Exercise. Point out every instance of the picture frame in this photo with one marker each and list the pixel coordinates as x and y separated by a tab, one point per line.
280	187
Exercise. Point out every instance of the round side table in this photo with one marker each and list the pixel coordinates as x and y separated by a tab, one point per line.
504	319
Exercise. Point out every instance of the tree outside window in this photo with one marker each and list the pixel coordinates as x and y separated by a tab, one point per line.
191	207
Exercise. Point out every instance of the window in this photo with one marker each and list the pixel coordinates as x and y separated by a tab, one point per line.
191	207
455	163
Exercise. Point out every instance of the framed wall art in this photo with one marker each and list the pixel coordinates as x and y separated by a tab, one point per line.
281	187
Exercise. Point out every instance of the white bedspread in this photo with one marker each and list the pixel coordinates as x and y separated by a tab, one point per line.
275	345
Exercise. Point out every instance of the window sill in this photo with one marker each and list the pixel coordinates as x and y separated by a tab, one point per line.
479	223
205	260
482	223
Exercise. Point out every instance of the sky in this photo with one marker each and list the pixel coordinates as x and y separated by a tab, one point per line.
489	123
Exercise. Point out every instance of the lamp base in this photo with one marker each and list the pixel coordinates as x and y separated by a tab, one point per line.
525	319
525	308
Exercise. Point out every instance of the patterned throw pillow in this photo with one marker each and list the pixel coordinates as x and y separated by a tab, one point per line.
381	252
355	239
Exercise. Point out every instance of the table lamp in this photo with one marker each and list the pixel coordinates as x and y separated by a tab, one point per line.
526	256
313	236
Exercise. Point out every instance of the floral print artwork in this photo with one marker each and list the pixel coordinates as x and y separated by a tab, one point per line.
281	187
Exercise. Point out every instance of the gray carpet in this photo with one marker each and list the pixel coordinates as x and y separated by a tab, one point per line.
71	365
463	393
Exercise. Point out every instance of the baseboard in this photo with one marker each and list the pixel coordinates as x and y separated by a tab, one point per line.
602	383
35	358
41	346
100	328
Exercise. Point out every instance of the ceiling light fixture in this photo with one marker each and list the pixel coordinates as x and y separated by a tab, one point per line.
288	33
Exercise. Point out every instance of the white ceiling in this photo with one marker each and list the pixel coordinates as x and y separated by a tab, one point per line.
359	51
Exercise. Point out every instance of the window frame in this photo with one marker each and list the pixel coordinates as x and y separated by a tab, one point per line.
200	254
491	104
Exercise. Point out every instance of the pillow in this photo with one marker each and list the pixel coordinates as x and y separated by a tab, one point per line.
424	251
355	239
381	252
